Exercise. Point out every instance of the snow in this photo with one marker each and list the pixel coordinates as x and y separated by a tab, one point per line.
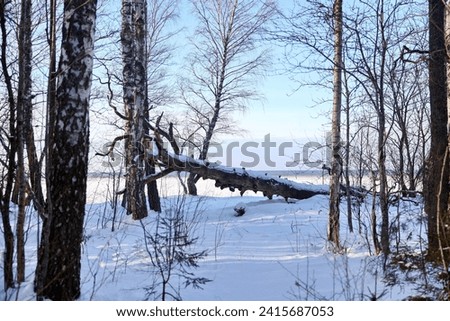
276	251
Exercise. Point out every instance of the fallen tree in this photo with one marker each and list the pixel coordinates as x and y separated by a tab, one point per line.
237	178
225	177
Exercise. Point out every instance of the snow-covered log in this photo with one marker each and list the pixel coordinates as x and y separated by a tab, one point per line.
238	178
225	177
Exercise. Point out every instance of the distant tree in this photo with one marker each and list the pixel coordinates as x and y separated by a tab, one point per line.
409	113
226	60
59	262
373	35
336	163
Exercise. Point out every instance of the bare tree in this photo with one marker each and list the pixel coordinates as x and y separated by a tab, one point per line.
146	54
158	56
373	35
408	106
336	164
227	58
375	55
59	263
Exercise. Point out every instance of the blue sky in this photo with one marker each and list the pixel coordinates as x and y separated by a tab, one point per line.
286	112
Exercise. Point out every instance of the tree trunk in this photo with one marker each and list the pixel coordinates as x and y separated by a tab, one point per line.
24	104
438	127
43	255
9	172
336	164
152	188
384	205
134	80
62	232
443	219
373	216
347	157
191	184
193	179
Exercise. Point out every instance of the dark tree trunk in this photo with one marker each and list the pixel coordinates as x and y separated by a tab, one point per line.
62	233
24	105
43	255
8	173
436	162
191	184
152	187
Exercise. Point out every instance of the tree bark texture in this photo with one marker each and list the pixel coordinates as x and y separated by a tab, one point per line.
134	88
433	189
24	106
443	217
59	264
336	164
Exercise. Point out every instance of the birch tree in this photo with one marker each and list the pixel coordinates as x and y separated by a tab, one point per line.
59	262
336	164
134	96
374	33
227	58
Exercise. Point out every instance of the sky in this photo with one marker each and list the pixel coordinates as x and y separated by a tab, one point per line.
286	112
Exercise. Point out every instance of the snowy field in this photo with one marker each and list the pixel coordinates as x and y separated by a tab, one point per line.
276	251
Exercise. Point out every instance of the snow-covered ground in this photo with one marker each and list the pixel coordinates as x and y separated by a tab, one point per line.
277	250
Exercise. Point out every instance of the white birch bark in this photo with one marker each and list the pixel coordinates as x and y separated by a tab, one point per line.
59	266
336	164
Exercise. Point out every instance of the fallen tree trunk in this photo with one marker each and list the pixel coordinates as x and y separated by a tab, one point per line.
237	178
225	177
